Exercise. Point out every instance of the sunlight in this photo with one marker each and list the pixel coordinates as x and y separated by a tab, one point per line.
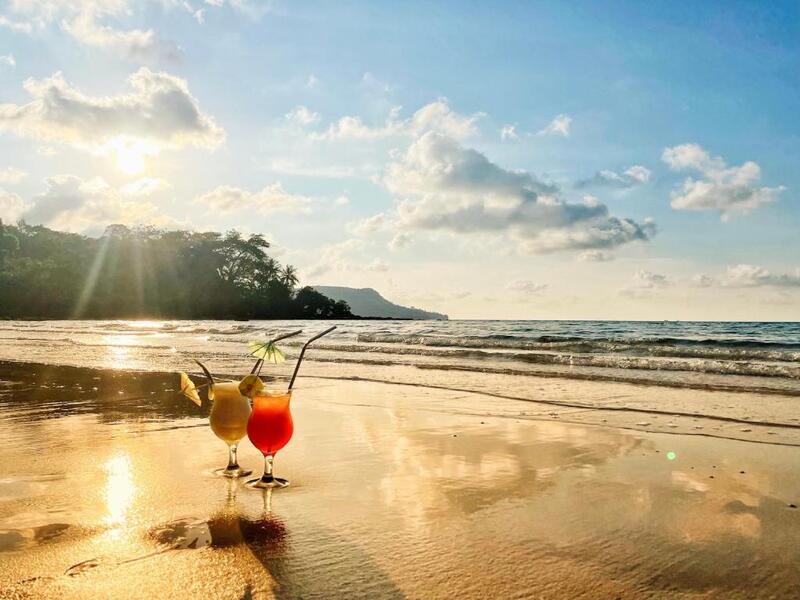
129	153
119	489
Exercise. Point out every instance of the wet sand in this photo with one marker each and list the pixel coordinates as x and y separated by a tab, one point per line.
398	491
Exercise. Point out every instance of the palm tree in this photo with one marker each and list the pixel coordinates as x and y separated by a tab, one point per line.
289	277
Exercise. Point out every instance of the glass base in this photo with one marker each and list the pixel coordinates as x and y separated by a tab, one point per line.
263	483
232	473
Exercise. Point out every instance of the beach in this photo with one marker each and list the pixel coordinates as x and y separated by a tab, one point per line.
406	482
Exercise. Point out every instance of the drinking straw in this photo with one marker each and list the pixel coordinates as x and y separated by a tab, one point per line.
260	361
303	351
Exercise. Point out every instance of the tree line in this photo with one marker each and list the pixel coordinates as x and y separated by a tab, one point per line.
149	272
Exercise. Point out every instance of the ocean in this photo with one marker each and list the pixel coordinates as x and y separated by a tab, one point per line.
760	357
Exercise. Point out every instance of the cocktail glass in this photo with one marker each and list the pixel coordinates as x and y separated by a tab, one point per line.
228	420
270	428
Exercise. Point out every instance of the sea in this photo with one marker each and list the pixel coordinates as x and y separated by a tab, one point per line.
760	357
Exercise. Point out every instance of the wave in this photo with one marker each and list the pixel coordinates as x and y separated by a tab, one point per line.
618	377
676	347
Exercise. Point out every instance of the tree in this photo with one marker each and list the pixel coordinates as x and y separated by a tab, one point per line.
289	276
148	272
9	244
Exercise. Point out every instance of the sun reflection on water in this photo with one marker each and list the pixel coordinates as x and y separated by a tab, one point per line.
119	491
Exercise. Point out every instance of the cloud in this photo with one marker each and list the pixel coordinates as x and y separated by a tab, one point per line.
633	176
12	175
526	287
558	126
158	112
400	240
11	206
302	116
645	282
369	225
377	266
70	203
729	190
8	60
84	20
334	257
341	201
135	44
15	26
595	256
448	187
509	132
744	275
435	116
146	186
703	281
272	199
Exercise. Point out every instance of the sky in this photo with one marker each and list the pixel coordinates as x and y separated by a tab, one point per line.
511	160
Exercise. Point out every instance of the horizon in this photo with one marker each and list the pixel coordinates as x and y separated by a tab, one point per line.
577	162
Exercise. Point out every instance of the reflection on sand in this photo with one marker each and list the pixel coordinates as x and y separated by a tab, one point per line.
395	494
119	490
278	557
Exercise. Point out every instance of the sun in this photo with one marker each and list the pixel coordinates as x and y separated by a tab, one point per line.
130	161
130	154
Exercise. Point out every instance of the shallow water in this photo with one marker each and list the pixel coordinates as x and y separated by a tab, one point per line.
397	491
759	357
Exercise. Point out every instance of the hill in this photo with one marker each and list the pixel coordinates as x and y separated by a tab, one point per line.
366	302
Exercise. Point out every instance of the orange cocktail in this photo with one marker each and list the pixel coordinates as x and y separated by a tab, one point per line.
270	428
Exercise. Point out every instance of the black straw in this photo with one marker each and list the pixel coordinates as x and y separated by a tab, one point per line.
303	351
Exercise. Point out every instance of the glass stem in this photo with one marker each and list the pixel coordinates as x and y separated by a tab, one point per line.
233	464
267	476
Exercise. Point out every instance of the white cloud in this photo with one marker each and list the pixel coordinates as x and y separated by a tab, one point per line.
644	282
87	206
136	44
400	240
595	256
753	276
459	190
159	112
84	20
335	257
146	186
435	116
12	175
369	225
11	206
377	266
632	176
702	280
15	26
273	198
341	201
526	287
558	126
728	190
302	116
509	132
8	60
312	82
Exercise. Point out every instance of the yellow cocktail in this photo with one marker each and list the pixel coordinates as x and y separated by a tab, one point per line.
228	420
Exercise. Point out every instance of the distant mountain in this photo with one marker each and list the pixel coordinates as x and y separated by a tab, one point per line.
366	302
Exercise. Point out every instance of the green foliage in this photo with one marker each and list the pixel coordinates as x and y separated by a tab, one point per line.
147	272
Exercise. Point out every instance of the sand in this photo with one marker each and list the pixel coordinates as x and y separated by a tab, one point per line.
397	491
